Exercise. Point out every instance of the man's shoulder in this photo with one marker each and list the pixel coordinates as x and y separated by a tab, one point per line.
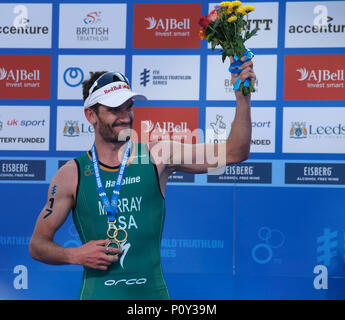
67	175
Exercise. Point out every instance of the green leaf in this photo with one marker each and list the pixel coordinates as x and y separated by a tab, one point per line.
216	24
214	43
223	56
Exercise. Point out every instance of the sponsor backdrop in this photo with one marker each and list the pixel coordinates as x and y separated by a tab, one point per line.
272	227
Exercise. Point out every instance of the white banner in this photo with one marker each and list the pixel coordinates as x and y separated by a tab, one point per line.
219	120
25	25
166	77
24	128
219	78
265	18
92	26
73	131
74	69
315	24
314	130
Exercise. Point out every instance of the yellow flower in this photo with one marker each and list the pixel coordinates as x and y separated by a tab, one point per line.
236	4
242	11
225	4
229	10
250	8
232	18
202	34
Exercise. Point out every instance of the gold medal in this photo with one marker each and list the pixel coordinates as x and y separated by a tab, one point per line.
115	235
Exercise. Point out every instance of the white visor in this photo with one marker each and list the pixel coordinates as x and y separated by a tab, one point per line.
112	95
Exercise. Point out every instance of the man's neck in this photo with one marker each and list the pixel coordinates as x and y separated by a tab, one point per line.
109	153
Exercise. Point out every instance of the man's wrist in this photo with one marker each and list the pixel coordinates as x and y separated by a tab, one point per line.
240	98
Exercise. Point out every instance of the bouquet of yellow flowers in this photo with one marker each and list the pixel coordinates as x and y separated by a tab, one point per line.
227	27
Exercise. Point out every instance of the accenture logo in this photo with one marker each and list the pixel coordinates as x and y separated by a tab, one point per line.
326	28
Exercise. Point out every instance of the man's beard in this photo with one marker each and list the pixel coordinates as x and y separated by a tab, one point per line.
109	135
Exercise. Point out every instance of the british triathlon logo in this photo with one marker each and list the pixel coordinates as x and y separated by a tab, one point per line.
92	18
93	28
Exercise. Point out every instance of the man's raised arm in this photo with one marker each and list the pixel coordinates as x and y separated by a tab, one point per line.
199	158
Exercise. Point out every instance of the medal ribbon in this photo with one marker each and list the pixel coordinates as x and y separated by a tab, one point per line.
234	68
111	208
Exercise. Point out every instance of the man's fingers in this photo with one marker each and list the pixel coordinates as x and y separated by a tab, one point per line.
249	64
112	251
247	74
100	242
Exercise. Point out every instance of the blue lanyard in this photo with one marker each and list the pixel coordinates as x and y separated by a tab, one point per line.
233	68
111	208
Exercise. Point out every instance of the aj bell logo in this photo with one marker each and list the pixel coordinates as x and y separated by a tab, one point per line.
164	127
19	75
320	75
168	24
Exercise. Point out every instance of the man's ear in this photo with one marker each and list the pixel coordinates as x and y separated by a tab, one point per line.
90	115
